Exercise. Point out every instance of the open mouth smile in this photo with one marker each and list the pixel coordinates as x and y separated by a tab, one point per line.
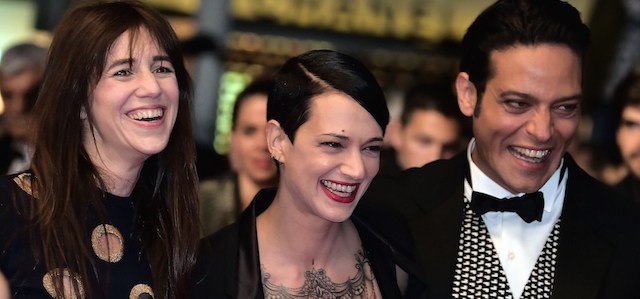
147	115
529	155
340	192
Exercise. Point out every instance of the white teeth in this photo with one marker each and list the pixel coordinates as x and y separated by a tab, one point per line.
535	156
342	190
147	115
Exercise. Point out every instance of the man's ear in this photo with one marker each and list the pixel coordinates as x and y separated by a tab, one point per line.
467	94
277	140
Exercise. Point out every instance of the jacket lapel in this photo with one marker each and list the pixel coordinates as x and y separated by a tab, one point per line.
437	230
438	242
580	241
249	281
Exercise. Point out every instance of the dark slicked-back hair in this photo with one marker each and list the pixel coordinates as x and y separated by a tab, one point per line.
316	72
437	96
261	86
627	93
509	23
66	181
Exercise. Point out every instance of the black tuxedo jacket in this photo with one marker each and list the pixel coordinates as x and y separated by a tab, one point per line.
599	249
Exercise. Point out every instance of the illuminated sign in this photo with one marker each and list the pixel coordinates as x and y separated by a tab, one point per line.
399	18
402	19
420	19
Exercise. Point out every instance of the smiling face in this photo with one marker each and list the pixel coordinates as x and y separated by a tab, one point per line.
628	137
528	114
134	104
248	141
334	158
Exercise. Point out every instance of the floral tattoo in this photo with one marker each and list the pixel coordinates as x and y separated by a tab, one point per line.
318	285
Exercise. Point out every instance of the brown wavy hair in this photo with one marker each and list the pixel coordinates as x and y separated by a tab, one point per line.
66	182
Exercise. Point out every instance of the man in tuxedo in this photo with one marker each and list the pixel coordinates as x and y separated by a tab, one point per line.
514	216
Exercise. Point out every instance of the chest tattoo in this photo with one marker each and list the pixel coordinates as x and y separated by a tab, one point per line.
317	285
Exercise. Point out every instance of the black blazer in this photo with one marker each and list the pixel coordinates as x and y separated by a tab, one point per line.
7	153
229	265
599	249
630	187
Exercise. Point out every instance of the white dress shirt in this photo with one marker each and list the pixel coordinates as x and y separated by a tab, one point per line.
518	244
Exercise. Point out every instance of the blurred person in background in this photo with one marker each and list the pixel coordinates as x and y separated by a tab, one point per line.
21	69
627	99
430	127
224	197
209	162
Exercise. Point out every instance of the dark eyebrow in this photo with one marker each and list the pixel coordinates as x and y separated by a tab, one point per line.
628	122
161	58
342	137
130	61
127	61
530	97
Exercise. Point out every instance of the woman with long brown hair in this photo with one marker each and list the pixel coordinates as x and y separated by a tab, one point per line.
109	208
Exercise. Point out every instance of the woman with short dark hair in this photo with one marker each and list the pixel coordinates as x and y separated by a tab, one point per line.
306	239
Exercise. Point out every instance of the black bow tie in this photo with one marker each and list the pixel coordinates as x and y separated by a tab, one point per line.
528	206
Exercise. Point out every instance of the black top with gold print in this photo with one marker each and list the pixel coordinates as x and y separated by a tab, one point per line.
120	267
